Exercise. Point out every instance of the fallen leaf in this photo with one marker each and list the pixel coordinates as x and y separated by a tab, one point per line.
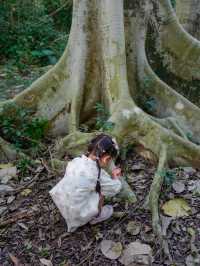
22	225
26	192
119	214
191	231
137	252
178	186
10	199
192	260
46	262
2	210
99	236
110	249
133	228
6	165
147	228
14	260
194	187
10	171
147	237
189	170
177	207
5	188
166	221
6	179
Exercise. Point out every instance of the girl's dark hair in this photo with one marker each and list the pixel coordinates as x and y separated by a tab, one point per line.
103	144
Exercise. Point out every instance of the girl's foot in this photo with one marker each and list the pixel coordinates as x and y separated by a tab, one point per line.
106	213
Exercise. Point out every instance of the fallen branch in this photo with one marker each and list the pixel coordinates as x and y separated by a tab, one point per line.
18	190
17	217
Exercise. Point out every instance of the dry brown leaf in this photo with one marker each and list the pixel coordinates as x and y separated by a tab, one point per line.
111	249
46	262
178	186
137	252
133	228
14	260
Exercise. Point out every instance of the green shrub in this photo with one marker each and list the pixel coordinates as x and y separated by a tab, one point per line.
173	2
23	165
102	118
20	127
29	34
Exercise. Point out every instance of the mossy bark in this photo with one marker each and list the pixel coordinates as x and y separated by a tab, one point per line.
181	49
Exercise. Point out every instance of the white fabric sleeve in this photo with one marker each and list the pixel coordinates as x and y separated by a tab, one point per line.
109	186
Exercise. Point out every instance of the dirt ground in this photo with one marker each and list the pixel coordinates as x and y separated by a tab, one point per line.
38	231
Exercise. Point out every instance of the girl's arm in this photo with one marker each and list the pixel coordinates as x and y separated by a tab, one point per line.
109	186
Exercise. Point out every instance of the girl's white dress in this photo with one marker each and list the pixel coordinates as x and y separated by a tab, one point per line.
75	195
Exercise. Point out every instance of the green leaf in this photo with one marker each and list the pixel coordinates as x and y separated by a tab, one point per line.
177	207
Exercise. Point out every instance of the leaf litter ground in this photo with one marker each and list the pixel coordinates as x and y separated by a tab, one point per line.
33	232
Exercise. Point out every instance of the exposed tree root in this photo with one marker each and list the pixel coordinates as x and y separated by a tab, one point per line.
183	49
74	144
155	191
172	124
168	103
133	125
154	200
188	15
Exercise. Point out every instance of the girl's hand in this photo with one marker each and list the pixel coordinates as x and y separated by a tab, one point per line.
116	173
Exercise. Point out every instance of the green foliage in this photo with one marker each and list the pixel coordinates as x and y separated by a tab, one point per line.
169	177
29	34
62	13
173	2
20	127
102	118
23	165
44	252
150	105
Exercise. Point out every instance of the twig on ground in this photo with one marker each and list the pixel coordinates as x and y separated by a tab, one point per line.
16	217
27	185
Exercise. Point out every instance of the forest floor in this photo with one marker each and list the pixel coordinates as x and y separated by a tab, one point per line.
34	233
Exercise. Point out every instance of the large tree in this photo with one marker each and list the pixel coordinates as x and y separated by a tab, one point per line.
106	61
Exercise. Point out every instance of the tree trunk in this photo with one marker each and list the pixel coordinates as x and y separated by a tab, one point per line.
105	61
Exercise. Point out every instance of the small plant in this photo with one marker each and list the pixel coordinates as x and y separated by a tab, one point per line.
19	126
150	104
173	2
84	128
169	177
102	118
23	165
44	252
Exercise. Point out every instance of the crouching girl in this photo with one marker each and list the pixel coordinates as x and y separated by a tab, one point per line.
80	194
